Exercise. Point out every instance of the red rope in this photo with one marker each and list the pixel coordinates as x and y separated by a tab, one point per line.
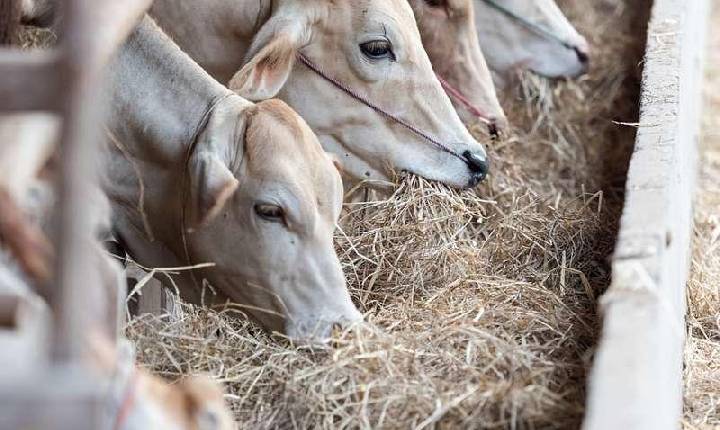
127	403
457	95
364	100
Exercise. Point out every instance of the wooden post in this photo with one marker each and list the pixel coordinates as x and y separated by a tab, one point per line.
91	31
64	394
636	380
9	21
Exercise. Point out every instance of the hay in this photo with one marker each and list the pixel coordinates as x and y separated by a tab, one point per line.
480	305
702	351
36	38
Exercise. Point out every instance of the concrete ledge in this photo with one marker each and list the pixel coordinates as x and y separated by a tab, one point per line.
636	381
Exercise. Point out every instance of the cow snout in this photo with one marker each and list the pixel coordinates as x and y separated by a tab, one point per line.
497	126
319	330
478	166
582	54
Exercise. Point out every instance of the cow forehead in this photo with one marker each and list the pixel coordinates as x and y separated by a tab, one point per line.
282	150
362	11
276	132
459	5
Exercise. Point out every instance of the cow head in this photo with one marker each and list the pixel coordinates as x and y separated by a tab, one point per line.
450	38
195	403
139	400
264	212
371	47
509	44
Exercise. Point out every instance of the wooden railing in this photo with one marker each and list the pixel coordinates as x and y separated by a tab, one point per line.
66	80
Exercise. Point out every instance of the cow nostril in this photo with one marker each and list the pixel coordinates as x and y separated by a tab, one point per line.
493	129
582	54
476	163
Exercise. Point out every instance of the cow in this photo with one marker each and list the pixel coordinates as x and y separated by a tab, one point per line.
293	282
448	32
355	70
530	34
139	400
199	174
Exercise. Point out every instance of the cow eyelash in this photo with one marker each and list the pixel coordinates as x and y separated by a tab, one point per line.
439	4
270	213
378	49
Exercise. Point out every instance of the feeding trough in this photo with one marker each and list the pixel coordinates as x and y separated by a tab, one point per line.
636	380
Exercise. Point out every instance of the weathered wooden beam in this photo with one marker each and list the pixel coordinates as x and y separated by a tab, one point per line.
636	380
64	394
90	33
65	398
24	320
9	21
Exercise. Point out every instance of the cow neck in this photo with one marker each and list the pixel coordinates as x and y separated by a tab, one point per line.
161	94
227	28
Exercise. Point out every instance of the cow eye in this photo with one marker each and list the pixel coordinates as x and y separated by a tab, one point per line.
435	3
270	213
378	49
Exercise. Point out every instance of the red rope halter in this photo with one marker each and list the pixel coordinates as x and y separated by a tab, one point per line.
365	101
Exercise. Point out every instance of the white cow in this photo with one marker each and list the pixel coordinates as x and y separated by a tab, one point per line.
450	38
201	175
364	83
530	34
138	400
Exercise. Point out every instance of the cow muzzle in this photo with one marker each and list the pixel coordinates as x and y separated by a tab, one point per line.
318	329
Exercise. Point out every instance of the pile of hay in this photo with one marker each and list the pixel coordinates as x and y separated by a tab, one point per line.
481	305
33	37
702	351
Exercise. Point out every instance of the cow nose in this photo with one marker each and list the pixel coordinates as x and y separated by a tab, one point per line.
476	163
493	128
478	167
583	54
497	126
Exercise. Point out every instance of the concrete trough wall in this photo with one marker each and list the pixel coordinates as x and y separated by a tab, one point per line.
636	380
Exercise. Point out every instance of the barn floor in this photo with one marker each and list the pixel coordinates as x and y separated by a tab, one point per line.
483	304
702	351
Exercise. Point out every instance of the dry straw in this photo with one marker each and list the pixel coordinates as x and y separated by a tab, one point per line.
481	306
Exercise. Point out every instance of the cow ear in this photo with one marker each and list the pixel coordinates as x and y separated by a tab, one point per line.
272	56
207	406
266	73
213	184
336	162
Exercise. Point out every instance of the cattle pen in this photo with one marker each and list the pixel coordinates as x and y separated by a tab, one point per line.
551	297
